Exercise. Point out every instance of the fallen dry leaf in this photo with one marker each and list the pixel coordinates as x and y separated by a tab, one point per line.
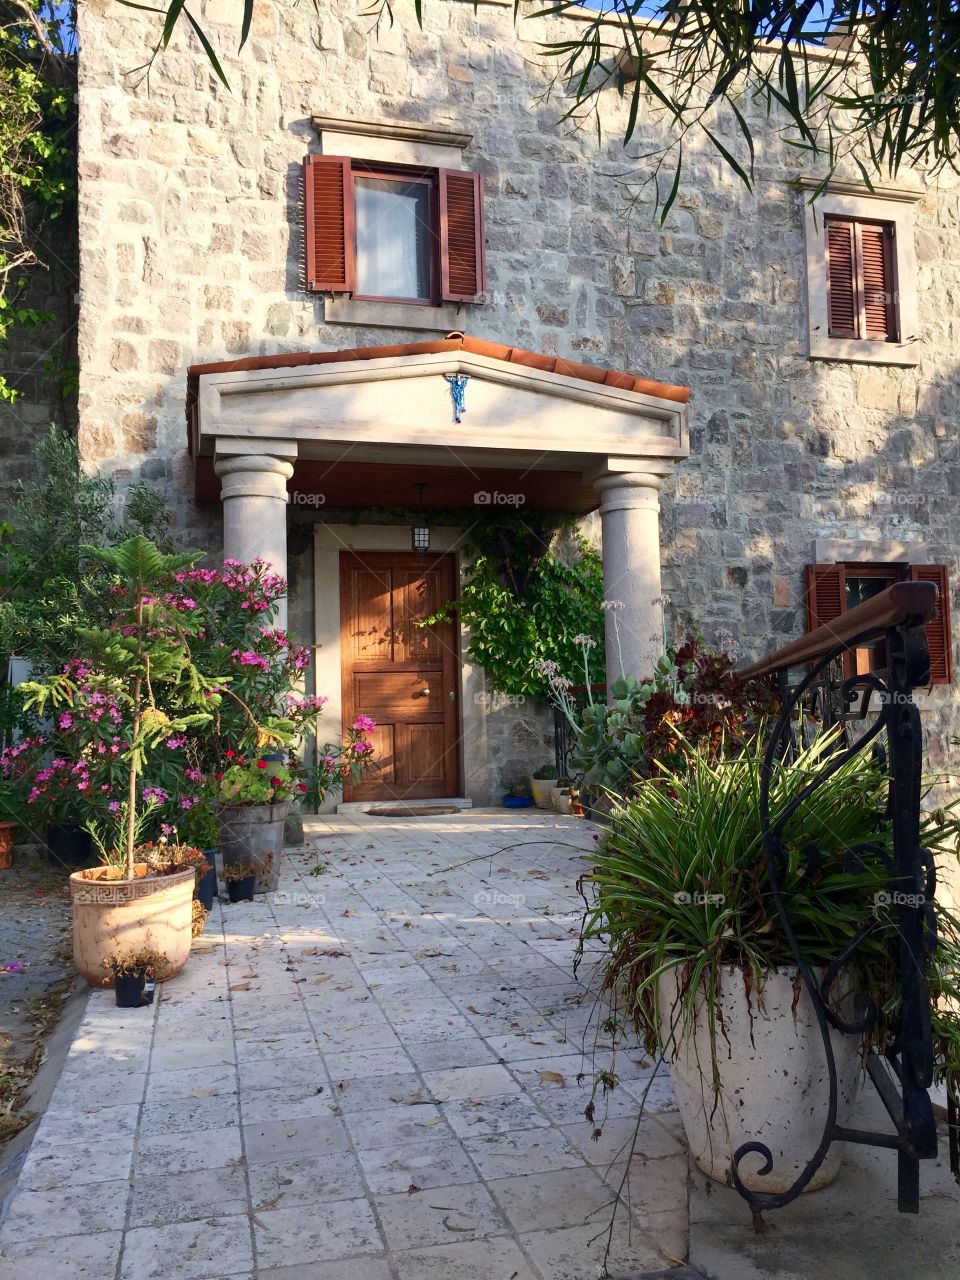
205	1093
551	1077
240	986
269	1204
324	977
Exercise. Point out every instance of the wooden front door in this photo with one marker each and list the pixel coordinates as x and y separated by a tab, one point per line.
405	676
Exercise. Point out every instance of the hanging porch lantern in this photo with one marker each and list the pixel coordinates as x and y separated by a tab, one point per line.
420	530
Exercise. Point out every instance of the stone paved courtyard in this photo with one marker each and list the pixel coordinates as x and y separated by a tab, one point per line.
371	1074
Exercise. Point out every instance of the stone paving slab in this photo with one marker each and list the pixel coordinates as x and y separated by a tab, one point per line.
850	1230
369	1075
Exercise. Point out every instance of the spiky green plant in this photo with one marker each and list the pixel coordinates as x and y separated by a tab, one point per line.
680	884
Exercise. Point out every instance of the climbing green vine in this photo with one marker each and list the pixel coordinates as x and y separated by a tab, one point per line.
525	600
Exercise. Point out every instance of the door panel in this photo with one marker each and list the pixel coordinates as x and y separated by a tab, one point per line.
403	674
422	753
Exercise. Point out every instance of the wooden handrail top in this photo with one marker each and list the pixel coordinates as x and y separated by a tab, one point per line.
902	604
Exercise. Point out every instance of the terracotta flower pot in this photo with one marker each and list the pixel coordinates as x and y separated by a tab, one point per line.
147	913
251	835
6	844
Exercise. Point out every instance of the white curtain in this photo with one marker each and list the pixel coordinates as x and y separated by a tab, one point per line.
393	238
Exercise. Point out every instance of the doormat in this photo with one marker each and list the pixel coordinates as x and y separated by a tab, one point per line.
412	811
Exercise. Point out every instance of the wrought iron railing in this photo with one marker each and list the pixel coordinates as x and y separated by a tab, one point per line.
563	741
878	713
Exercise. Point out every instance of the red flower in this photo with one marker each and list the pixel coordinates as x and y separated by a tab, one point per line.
275	782
219	776
261	764
231	754
301	786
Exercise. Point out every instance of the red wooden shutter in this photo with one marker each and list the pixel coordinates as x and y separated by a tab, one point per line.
939	640
329	235
461	236
824	593
842	301
876	258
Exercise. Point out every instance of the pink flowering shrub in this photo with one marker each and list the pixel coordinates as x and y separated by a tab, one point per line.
72	769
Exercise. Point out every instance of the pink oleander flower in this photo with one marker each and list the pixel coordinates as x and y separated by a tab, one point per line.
364	724
114	806
155	795
362	747
65	721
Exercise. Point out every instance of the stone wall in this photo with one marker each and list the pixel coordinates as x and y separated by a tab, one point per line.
189	207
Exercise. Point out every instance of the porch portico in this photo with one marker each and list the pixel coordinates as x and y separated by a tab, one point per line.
377	428
351	427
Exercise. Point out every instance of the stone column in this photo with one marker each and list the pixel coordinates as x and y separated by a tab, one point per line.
254	494
630	519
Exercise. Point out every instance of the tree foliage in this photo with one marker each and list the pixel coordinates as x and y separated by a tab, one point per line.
36	149
870	82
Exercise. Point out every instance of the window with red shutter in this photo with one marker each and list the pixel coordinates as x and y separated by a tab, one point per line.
461	236
393	233
842	304
861	289
832	589
329	224
939	638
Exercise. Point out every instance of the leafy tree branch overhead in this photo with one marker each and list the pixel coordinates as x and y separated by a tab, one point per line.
874	81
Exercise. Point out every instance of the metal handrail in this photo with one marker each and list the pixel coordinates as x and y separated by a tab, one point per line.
905	604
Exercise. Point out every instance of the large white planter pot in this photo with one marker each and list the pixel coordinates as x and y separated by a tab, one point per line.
774	1084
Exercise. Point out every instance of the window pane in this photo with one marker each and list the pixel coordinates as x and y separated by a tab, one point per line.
393	238
871	656
860	590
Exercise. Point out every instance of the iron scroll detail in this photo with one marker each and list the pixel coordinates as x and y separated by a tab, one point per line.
903	1072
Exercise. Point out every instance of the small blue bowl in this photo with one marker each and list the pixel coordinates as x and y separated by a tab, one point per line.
517	802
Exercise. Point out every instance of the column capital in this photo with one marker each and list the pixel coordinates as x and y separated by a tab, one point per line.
626	474
253	475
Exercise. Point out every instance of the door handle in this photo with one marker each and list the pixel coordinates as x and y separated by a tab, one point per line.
425	691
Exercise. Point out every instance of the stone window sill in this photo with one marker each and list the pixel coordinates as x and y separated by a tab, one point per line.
854	350
392	315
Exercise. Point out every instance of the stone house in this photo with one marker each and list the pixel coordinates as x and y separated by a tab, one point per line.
279	282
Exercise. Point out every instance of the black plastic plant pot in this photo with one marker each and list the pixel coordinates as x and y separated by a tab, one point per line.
206	889
130	990
241	890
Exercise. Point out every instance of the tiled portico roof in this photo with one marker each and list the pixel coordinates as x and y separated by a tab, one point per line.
452	342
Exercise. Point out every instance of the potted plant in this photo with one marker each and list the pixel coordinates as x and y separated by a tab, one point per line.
254	796
135	691
6	844
134	974
241	878
519	796
561	797
699	962
543	783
